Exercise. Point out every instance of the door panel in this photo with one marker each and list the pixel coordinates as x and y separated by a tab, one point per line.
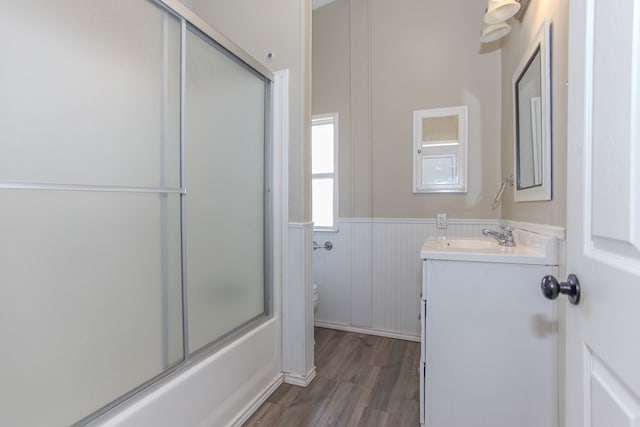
614	136
602	345
224	208
612	403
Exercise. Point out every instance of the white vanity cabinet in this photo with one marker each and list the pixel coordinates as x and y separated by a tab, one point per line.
489	342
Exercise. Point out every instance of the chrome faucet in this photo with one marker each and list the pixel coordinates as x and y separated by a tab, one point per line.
504	236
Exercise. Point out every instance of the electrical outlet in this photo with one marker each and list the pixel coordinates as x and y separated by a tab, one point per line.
441	220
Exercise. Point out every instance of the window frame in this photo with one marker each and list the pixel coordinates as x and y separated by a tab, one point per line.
323	119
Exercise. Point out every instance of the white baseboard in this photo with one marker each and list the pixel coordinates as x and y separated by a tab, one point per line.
257	402
368	331
300	380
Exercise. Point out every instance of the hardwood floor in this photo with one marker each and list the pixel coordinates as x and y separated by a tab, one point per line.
362	380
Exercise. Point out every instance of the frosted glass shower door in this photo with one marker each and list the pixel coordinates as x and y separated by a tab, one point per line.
133	224
90	275
225	203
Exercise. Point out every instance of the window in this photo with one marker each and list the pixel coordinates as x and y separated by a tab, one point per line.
324	175
440	150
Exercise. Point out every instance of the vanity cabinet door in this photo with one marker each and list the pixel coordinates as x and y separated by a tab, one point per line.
492	343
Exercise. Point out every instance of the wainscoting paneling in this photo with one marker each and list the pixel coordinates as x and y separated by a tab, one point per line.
371	279
332	270
396	276
361	274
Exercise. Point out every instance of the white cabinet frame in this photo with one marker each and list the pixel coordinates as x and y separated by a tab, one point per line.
430	174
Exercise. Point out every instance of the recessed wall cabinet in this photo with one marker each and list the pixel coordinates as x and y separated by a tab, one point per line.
440	150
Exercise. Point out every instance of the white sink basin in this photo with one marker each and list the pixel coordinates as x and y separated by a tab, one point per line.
540	250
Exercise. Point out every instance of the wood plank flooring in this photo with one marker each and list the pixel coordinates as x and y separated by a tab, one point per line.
362	380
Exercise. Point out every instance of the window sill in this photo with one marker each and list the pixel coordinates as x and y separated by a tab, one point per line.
325	229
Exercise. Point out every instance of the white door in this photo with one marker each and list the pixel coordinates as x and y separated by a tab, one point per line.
603	221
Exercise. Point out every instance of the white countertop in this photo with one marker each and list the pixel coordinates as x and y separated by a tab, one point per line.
533	250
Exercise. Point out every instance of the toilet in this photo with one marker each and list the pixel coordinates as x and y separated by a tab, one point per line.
315	299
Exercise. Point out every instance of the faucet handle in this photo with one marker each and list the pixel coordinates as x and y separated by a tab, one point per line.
507	233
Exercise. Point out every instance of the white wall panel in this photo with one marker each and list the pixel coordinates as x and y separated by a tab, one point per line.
361	274
396	296
297	307
332	273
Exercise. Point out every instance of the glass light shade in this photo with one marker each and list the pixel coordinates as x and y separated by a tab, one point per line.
493	32
500	10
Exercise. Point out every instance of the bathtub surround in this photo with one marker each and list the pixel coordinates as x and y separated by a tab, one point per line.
223	389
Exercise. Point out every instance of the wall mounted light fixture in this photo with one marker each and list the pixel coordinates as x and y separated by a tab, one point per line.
495	25
493	32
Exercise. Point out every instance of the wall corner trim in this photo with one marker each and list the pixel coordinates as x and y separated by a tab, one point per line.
297	303
299	380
